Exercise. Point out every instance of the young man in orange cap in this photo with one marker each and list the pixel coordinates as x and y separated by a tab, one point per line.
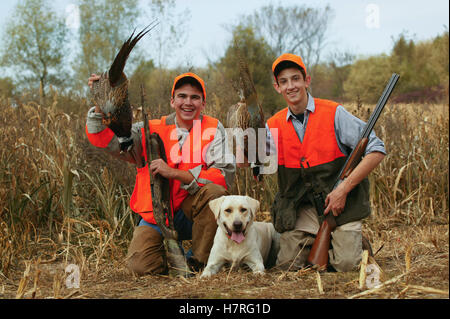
312	138
195	147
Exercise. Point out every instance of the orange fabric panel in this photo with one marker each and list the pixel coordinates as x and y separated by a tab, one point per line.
214	175
100	139
142	190
319	143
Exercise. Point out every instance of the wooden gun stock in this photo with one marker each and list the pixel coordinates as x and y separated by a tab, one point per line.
319	251
355	158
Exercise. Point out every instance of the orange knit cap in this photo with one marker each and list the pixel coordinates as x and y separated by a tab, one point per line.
191	75
289	57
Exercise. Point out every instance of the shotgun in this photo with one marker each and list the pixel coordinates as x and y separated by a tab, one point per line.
160	191
318	256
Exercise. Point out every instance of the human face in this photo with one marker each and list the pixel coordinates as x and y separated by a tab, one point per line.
188	103
292	86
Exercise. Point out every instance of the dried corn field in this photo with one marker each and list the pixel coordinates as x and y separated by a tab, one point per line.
61	204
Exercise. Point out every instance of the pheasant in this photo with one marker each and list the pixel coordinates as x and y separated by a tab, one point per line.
110	93
247	113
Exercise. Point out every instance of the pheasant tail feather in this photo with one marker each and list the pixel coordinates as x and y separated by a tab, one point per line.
115	73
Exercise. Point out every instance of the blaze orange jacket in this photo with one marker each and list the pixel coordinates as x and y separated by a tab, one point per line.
189	156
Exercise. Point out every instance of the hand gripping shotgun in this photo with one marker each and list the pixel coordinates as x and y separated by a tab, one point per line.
318	256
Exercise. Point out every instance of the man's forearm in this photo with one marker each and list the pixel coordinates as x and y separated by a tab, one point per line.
335	201
183	176
362	170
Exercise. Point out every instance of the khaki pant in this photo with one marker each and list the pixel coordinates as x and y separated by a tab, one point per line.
146	254
295	245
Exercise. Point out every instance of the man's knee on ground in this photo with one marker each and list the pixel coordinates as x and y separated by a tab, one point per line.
140	267
346	263
146	253
347	249
294	248
141	264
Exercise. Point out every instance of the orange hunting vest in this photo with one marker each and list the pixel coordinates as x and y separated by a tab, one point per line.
189	156
319	144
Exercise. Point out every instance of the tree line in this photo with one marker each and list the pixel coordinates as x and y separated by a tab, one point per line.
37	50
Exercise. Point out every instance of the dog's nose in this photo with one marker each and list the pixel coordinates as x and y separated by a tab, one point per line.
237	225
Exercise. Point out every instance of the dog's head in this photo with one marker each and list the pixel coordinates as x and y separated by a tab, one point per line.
234	214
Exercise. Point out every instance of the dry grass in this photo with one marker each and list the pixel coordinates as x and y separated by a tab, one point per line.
61	204
426	278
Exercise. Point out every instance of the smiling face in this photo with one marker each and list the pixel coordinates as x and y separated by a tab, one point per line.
234	214
188	103
292	85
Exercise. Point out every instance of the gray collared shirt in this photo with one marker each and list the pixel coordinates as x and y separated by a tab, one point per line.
347	127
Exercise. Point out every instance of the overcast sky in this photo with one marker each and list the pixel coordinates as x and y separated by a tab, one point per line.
359	26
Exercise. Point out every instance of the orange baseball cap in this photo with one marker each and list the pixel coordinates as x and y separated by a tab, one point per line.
289	57
190	75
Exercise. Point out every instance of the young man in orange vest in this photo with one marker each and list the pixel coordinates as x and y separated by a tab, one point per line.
313	137
195	147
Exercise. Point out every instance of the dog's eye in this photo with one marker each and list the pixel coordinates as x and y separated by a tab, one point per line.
228	210
243	210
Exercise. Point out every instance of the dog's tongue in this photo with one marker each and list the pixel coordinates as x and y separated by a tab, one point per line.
237	237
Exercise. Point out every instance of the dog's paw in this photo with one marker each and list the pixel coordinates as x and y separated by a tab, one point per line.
259	272
206	274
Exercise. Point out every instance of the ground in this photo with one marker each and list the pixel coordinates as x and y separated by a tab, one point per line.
414	261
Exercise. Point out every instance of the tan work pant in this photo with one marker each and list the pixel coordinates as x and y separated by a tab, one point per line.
146	254
295	245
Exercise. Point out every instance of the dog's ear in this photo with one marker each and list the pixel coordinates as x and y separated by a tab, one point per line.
215	206
254	205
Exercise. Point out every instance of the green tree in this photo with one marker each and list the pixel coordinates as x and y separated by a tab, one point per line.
421	65
34	45
6	87
104	26
403	61
329	77
367	79
140	77
423	69
158	87
259	57
439	58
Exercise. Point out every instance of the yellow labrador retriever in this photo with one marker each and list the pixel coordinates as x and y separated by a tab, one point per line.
239	239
